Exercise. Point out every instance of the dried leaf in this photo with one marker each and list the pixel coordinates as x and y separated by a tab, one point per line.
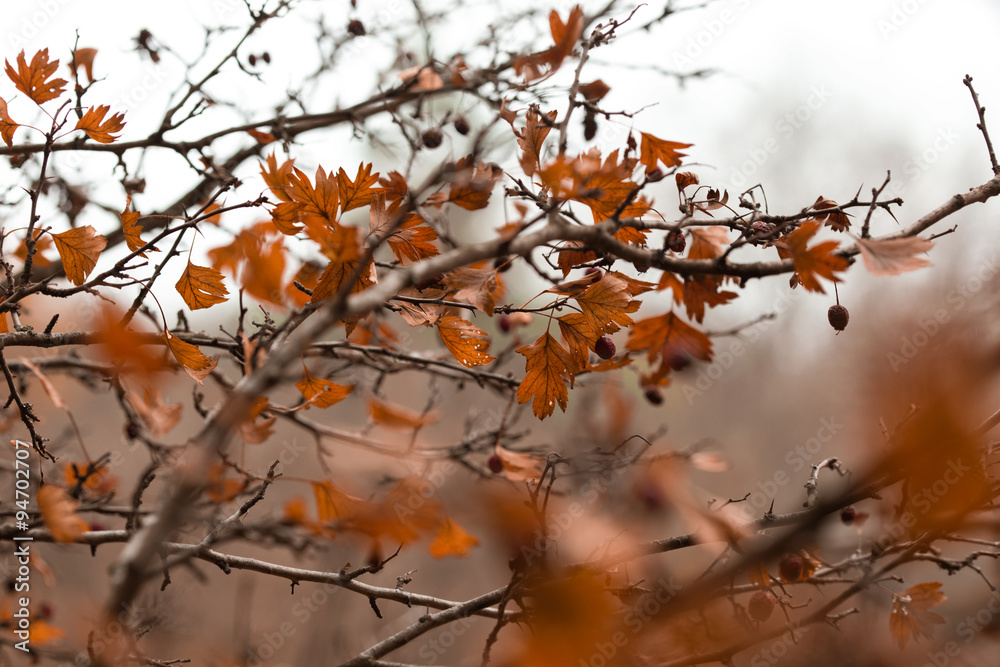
319	392
479	287
397	416
7	124
812	263
33	80
548	367
84	58
910	614
201	287
894	256
604	304
452	540
191	359
79	249
360	191
97	128
655	150
701	292
59	514
466	342
132	228
838	220
157	416
321	200
262	138
277	177
708	242
667	337
519	466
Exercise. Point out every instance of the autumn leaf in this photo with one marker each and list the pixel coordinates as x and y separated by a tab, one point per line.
579	337
321	199
548	367
191	359
573	254
466	342
531	138
410	240
654	149
360	191
333	505
666	337
452	540
911	615
256	427
319	392
471	186
397	416
7	124
156	415
594	91
97	128
708	242
812	263
84	58
565	34
479	287
894	256
838	220
201	287
33	80
277	177
79	249
126	350
219	488
603	304
59	514
701	292
262	138
132	228
518	466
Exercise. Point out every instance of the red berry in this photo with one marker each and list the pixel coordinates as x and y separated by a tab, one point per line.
605	347
676	241
791	566
654	395
504	323
594	273
655	175
678	359
252	59
495	464
848	514
838	317
760	606
356	28
462	125
432	137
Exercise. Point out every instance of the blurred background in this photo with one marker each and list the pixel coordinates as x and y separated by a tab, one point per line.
804	99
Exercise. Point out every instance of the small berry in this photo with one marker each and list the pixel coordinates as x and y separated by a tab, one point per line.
761	227
678	359
502	264
356	28
252	59
848	514
266	57
504	323
495	464
791	566
760	606
838	317
676	241
131	430
589	126
432	137
594	273
654	395
462	125
605	347
655	175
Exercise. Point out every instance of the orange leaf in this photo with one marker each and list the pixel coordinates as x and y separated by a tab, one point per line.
357	193
813	263
655	150
319	392
480	287
84	58
471	187
201	287
548	367
396	416
531	138
595	90
59	514
910	614
701	292
255	427
604	304
452	540
7	124
191	359
219	489
579	337
332	505
838	220
894	256
572	254
97	128
466	342
518	466
158	417
126	350
666	337
708	242
79	249
262	138
132	228
32	80
277	178
321	200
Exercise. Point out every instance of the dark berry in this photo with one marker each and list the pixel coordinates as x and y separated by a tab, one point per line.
432	138
760	606
502	264
848	514
504	323
791	566
356	28
678	359
495	464
676	241
589	126
594	273
252	59
655	175
654	395
462	125
838	317
605	347
266	57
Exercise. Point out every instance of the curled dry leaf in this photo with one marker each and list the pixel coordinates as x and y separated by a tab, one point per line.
7	124
466	342
84	58
452	540
97	128
191	359
911	615
894	256
59	514
519	466
397	416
